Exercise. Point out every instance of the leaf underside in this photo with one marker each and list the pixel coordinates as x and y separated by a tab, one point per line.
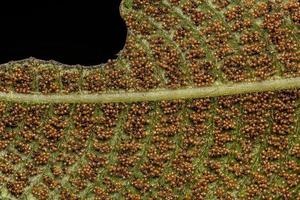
242	146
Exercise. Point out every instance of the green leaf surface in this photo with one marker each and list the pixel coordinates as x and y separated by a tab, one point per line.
203	102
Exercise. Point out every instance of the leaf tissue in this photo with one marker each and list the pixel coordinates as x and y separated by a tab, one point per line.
202	103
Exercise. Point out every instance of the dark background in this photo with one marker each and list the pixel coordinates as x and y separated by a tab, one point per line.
84	32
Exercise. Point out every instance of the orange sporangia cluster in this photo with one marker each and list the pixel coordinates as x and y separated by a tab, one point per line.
168	59
190	8
256	108
48	81
217	38
70	81
137	120
111	76
13	116
132	21
234	68
163	16
127	152
255	47
201	69
141	68
40	192
190	145
169	40
125	161
234	13
115	76
242	146
52	130
293	8
5	80
22	79
281	37
93	81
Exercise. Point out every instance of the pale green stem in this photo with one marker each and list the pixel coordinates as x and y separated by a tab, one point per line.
156	95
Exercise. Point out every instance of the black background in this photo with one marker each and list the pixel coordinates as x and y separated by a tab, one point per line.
84	32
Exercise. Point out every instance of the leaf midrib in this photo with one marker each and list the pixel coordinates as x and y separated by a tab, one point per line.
157	94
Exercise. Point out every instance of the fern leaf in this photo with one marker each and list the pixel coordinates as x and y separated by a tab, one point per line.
203	102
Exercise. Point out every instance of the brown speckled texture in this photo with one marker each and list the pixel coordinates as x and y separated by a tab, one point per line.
235	147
